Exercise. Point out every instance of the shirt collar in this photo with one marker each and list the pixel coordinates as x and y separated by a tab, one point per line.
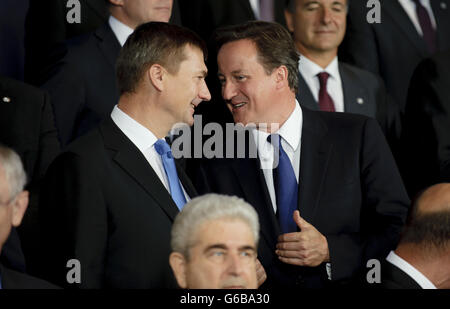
290	131
142	137
421	280
121	30
310	69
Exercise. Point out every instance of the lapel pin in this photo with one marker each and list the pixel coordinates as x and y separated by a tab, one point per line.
360	101
6	99
443	5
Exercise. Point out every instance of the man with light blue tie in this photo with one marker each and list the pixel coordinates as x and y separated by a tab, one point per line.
111	198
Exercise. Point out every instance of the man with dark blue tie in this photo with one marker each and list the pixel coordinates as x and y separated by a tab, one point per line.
111	197
325	186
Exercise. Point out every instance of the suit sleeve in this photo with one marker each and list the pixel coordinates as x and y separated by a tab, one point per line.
385	205
74	222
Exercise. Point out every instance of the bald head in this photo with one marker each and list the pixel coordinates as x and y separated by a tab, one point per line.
434	199
428	224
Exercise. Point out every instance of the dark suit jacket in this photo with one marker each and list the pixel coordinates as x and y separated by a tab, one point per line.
106	207
12	279
392	48
393	277
360	85
83	85
426	137
27	126
349	189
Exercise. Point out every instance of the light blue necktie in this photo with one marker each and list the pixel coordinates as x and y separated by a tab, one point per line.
163	149
286	187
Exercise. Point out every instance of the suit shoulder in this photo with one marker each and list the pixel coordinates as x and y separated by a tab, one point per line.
86	145
365	76
15	280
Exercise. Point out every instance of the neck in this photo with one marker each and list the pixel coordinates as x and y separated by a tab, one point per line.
119	14
435	266
321	58
281	114
145	111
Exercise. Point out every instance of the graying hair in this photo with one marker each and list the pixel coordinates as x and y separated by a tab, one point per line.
207	208
14	173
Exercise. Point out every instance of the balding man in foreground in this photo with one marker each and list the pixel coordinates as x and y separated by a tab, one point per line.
422	258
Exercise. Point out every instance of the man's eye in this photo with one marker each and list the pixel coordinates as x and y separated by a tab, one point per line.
221	81
247	254
239	77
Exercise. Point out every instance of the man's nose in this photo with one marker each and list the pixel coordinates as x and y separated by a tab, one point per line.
229	91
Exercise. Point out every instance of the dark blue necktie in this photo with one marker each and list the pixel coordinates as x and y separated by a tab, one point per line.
429	34
163	149
286	187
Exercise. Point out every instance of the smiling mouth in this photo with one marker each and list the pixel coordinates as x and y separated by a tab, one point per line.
237	105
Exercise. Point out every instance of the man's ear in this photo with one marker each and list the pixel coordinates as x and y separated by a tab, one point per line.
116	2
289	20
178	264
281	76
19	206
156	74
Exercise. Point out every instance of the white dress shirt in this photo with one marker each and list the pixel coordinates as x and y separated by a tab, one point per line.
410	8
121	31
144	140
291	135
309	71
421	280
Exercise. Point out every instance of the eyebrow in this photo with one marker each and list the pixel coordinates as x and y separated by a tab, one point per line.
223	247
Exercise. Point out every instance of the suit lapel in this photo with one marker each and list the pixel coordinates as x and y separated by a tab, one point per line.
130	159
316	151
304	95
355	96
108	43
401	18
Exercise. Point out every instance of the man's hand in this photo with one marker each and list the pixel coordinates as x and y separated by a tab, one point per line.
260	273
305	248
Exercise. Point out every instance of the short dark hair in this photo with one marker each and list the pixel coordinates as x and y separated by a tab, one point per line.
151	43
273	42
428	229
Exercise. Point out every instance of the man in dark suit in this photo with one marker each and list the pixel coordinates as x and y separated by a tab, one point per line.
112	196
318	29
335	168
27	126
425	139
422	257
13	203
408	32
82	85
